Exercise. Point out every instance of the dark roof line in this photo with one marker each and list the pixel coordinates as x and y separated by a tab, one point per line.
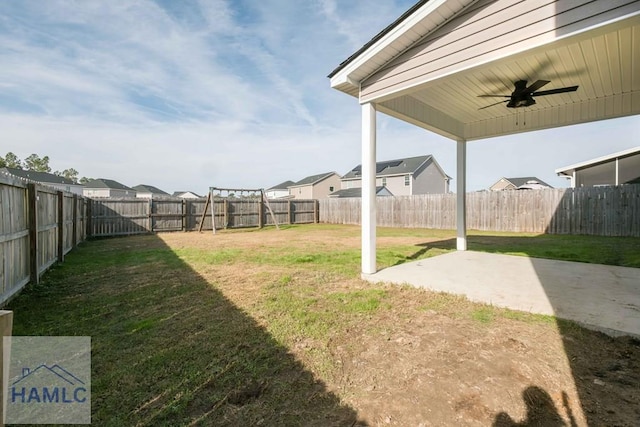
103	183
144	188
521	180
312	179
42	177
282	185
378	37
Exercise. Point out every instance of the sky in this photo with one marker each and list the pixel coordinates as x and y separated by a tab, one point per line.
185	95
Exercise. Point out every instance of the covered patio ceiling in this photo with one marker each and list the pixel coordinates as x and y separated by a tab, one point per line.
431	65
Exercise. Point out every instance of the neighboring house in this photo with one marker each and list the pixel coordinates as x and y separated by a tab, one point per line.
615	169
315	186
357	192
102	187
145	191
58	182
404	177
186	195
279	191
522	183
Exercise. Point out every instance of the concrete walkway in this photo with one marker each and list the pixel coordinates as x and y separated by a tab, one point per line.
601	297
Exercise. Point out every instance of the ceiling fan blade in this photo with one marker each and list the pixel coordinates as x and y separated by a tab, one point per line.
494	96
491	105
535	86
553	91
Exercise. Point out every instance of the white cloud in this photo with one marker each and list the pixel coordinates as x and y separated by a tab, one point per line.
184	95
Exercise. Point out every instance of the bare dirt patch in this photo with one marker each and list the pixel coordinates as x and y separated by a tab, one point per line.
419	358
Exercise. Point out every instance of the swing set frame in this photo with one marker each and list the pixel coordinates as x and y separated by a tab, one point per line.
264	201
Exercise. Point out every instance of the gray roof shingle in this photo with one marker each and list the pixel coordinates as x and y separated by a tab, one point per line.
42	177
107	183
312	179
144	188
392	167
282	186
353	192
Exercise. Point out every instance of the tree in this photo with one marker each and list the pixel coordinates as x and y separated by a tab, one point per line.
12	161
70	173
84	180
37	164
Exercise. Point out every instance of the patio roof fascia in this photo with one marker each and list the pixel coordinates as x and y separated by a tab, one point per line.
568	170
393	40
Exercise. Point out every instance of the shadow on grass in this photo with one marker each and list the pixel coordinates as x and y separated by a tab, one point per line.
621	251
168	348
605	369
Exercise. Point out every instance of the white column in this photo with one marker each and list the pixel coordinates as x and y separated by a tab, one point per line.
461	192
617	171
368	188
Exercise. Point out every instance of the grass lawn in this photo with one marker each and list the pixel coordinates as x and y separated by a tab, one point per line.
268	327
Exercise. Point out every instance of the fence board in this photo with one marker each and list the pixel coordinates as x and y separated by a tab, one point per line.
34	229
111	217
601	211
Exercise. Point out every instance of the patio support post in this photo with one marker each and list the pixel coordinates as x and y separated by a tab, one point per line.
461	193
368	188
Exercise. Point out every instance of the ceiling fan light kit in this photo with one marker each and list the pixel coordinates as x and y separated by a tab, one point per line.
523	95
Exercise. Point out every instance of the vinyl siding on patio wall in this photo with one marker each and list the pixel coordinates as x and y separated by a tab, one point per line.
487	31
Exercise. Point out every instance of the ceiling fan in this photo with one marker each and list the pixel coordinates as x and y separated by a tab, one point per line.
523	95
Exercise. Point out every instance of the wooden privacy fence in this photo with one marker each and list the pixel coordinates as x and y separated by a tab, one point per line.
38	226
113	217
599	211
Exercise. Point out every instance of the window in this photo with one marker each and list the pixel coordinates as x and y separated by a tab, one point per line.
407	180
331	188
384	181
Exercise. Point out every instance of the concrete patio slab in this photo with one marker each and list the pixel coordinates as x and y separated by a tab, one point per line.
601	297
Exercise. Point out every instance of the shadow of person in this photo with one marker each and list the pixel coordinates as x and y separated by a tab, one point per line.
540	411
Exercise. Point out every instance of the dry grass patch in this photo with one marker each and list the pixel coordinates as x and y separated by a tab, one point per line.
276	328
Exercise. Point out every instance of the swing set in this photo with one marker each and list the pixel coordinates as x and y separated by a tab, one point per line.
238	205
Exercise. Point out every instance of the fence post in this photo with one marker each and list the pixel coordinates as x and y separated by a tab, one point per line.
89	217
60	226
316	211
184	215
6	330
32	201
74	226
261	213
289	212
225	208
150	209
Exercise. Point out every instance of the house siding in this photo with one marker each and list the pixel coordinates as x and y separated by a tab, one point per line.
302	192
318	190
276	194
395	184
487	31
503	184
107	192
323	188
429	180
